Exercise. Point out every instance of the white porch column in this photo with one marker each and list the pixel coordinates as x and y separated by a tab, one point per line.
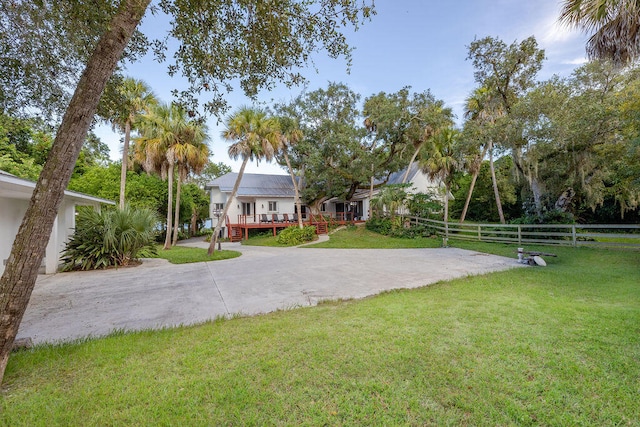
52	253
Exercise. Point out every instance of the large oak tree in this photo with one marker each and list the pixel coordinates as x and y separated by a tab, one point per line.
46	45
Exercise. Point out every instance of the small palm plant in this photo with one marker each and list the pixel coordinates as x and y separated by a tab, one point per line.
110	238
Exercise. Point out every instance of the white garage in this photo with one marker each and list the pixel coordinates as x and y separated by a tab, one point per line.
15	194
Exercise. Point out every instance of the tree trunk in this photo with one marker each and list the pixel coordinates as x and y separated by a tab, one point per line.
466	202
167	239
222	219
476	172
495	184
295	189
536	189
176	219
194	221
413	158
371	194
28	249
125	159
564	201
534	184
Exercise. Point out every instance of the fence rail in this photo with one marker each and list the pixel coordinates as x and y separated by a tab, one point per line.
612	235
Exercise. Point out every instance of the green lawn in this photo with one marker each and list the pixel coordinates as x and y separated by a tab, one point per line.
184	254
264	240
354	238
534	346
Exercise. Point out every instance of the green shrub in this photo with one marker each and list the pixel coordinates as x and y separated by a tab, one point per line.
554	216
293	236
424	205
397	228
110	238
379	225
412	232
204	232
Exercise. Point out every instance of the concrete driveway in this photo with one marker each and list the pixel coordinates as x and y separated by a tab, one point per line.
66	306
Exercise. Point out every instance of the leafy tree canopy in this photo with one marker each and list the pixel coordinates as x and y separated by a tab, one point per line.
45	44
346	144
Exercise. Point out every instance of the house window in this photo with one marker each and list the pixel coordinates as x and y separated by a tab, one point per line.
323	207
273	206
218	206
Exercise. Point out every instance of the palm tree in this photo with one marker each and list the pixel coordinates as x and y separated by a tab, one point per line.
257	137
441	160
162	131
473	157
484	108
136	99
424	125
615	25
290	135
191	155
418	143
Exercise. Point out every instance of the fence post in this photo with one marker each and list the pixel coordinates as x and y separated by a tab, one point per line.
519	234
446	232
479	233
573	236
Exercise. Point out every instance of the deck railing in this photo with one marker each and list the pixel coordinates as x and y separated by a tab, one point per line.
257	219
621	235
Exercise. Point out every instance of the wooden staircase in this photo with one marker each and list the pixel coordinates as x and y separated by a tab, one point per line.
322	227
235	231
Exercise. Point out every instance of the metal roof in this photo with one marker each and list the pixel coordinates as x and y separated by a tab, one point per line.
396	177
255	185
14	187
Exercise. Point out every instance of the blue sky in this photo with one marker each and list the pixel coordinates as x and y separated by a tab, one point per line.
417	43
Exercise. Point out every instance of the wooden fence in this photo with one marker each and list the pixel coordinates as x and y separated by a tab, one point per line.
611	235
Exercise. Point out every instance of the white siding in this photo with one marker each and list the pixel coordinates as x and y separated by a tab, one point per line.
11	213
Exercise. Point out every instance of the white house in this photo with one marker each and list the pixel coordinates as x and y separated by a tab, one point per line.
358	206
260	194
15	194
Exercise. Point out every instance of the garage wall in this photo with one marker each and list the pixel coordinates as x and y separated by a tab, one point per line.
11	212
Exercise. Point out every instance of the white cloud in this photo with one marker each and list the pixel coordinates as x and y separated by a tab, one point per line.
553	31
576	61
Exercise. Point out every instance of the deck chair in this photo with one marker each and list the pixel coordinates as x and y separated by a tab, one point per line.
276	218
263	218
286	218
294	217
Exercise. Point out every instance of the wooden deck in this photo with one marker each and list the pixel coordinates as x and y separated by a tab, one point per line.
240	229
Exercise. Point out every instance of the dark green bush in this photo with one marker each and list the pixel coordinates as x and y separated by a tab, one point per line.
379	225
204	232
397	228
293	236
424	206
553	216
412	232
110	238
